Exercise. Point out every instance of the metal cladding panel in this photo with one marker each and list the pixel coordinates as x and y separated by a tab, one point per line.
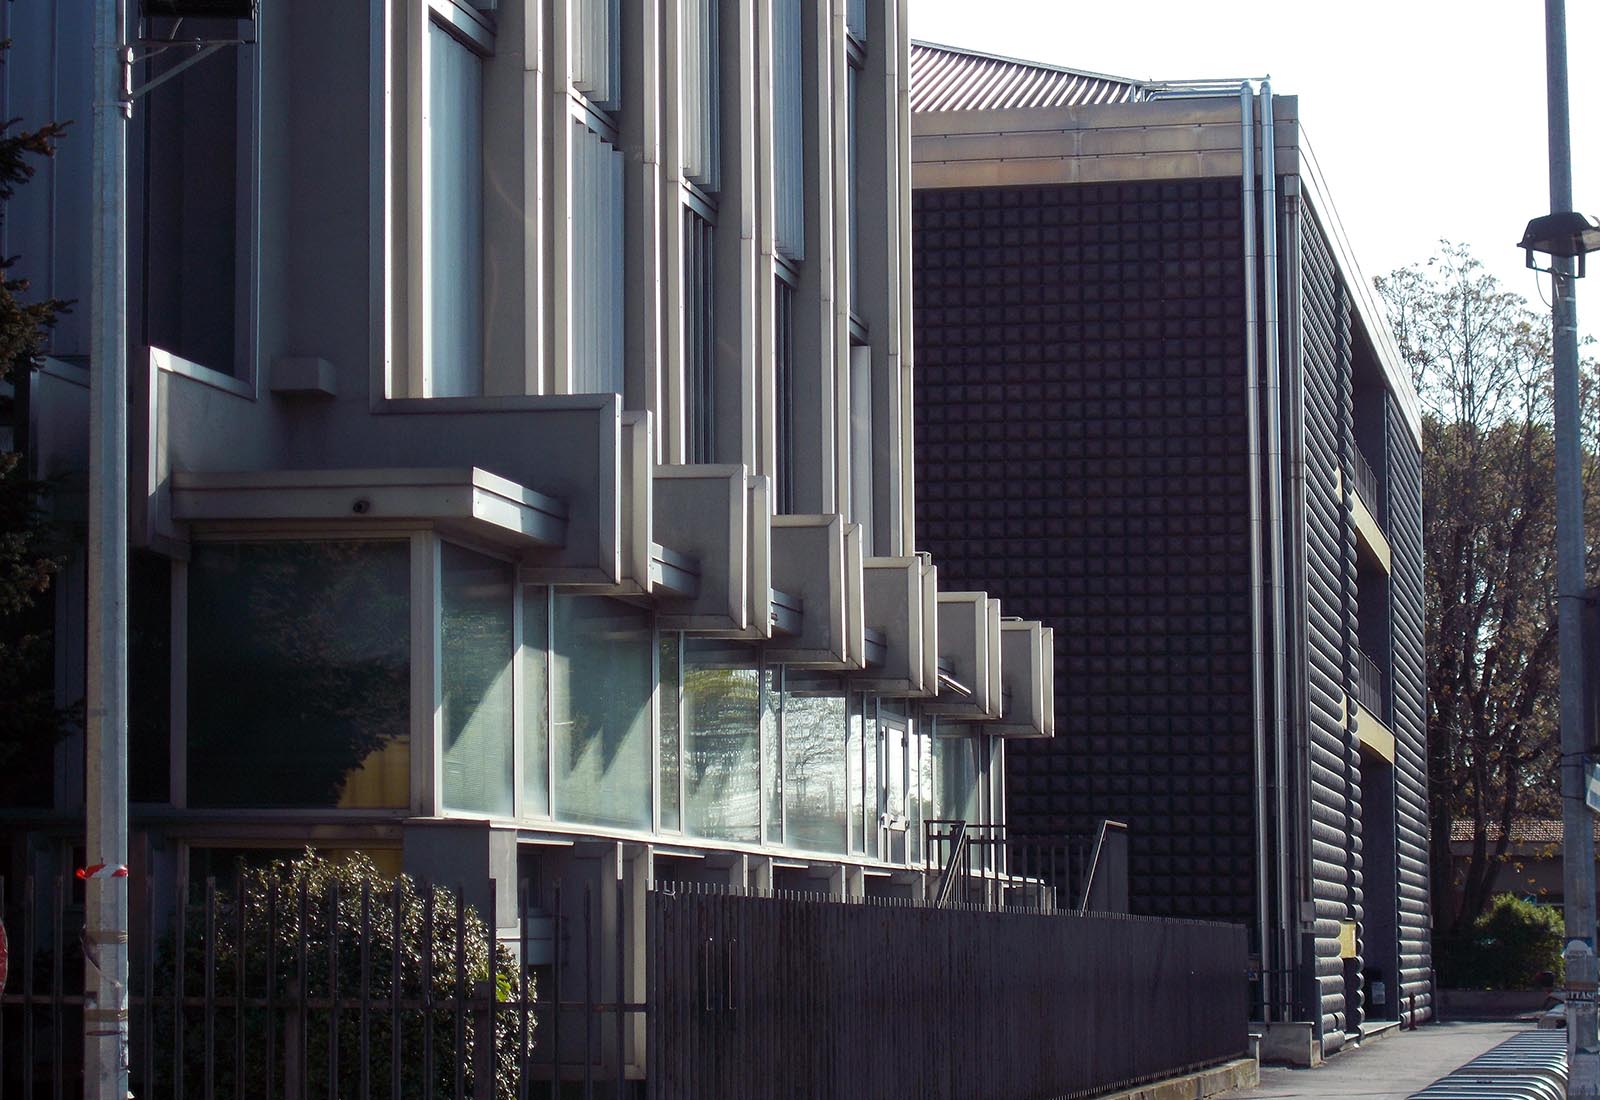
945	79
701	93
1333	761
1409	694
1081	454
597	263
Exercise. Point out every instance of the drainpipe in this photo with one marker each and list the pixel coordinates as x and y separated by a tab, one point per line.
1287	909
1258	656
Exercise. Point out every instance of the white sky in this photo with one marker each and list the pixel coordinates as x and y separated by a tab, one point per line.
1427	116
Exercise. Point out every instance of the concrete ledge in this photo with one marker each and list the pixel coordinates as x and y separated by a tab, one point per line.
1241	1073
1373	1030
1294	1043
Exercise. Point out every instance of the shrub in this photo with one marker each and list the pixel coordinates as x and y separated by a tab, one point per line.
1509	946
292	935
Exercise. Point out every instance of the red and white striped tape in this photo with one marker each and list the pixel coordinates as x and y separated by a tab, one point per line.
103	870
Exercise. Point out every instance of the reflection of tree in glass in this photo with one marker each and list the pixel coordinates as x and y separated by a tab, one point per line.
721	700
298	668
601	683
476	641
814	730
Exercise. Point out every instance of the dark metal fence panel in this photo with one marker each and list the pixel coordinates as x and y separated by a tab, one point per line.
793	995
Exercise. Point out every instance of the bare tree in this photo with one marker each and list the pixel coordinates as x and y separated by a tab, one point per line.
1481	360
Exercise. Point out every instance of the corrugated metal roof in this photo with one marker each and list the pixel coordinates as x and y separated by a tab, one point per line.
947	78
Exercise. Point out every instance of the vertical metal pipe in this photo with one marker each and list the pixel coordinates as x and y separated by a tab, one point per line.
1578	845
1258	655
105	1016
1273	443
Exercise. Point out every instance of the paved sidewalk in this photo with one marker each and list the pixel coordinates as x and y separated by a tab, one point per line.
1392	1068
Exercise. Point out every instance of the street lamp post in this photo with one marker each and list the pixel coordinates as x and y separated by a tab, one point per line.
1566	237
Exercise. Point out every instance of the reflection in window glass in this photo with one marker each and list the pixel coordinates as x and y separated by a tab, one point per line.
475	651
869	762
894	788
958	777
299	674
671	811
455	225
814	728
854	766
536	701
721	701
601	685
772	750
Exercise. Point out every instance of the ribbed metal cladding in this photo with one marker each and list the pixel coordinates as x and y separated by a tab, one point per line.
944	79
1332	765
597	263
788	137
1404	461
701	94
597	51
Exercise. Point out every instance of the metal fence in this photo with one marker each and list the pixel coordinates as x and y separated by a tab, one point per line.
308	986
1367	488
793	995
296	989
1369	684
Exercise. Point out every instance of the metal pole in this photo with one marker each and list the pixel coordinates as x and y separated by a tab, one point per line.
1583	1056
105	1017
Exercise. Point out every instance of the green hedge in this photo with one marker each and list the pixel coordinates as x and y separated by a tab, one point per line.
1510	945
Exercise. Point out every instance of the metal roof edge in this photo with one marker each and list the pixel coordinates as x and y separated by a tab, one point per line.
1138	82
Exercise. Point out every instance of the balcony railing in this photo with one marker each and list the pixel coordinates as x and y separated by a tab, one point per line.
1367	487
1369	683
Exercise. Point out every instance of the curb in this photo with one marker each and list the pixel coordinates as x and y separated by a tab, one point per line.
1241	1073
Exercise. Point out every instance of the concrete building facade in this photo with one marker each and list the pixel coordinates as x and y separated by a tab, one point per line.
521	448
1150	366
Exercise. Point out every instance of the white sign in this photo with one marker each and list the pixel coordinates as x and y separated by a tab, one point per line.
1591	788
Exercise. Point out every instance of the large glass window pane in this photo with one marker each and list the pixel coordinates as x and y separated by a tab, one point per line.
721	708
854	773
299	674
958	777
772	750
671	725
814	731
869	782
536	701
455	224
601	682
475	653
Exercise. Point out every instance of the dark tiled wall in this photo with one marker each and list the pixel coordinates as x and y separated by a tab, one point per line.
1081	453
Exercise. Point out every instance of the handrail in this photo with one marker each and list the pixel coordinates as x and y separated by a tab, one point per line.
947	875
1106	825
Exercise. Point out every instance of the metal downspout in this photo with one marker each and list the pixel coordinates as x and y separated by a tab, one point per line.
1287	909
1258	656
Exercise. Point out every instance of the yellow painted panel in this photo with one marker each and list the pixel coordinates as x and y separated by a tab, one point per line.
1347	939
1373	735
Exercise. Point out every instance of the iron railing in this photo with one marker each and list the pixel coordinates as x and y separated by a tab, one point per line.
296	991
1369	683
768	996
1367	487
986	864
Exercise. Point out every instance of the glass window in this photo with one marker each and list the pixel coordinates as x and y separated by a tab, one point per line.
854	775
536	701
957	766
870	765
921	789
671	664
195	166
455	226
700	106
475	653
601	685
699	337
772	750
852	187
788	125
597	294
721	710
299	674
149	677
783	384
815	727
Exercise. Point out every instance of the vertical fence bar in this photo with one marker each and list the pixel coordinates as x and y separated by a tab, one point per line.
302	1028
271	1073
28	902
58	919
621	991
557	942
460	998
241	948
397	899
208	1016
427	989
524	1063
332	902
180	965
3	898
588	991
364	1038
